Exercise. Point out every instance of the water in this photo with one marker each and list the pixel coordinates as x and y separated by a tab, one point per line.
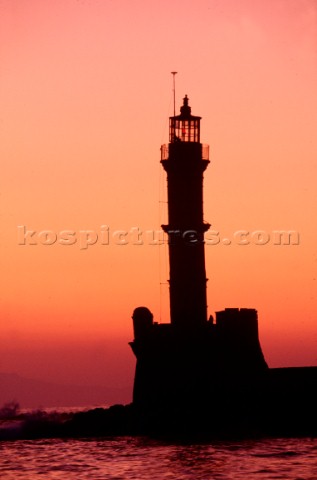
128	458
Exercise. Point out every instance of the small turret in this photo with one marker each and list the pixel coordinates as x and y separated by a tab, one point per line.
142	322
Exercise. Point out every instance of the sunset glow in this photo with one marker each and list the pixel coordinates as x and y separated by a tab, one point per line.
86	92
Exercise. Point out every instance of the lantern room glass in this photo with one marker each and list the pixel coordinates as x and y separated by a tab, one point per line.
182	130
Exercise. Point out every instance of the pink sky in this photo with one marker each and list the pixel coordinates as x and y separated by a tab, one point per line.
85	99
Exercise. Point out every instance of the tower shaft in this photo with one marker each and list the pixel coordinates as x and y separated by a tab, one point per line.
185	159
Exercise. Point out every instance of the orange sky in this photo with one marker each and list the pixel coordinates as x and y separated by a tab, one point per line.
85	100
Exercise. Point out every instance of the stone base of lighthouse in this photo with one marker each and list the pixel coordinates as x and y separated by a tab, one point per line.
195	366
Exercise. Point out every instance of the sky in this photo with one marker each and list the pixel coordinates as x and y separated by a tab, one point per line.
86	92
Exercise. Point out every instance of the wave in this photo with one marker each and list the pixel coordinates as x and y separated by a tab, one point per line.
16	423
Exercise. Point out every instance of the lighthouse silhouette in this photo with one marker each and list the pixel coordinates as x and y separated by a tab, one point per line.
191	359
185	160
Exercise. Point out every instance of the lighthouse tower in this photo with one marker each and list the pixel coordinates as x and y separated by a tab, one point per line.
191	359
185	160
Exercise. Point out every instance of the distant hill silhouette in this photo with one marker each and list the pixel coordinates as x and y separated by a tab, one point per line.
31	393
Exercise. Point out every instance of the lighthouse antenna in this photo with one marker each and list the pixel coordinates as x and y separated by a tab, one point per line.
174	73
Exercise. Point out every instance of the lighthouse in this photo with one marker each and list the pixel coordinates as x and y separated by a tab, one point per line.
185	159
190	360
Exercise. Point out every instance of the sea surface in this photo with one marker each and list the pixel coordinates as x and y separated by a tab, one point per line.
127	458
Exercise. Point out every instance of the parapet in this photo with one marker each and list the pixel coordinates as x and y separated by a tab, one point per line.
238	340
242	321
